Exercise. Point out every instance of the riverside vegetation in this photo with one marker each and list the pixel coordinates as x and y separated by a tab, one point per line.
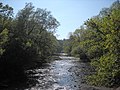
27	41
98	41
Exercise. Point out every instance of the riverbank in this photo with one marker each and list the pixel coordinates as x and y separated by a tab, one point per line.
61	73
89	87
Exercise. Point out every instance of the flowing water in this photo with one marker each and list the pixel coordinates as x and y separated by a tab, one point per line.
68	73
65	74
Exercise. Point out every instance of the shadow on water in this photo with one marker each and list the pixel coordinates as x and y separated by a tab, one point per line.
65	74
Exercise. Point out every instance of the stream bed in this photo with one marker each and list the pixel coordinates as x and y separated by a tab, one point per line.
65	74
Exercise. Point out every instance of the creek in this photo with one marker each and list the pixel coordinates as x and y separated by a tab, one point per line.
65	74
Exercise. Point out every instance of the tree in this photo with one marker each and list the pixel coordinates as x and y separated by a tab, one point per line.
26	41
99	41
107	66
33	32
5	20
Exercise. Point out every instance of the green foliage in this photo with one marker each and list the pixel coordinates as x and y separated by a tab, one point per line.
5	20
60	46
34	31
99	40
67	46
107	66
3	40
26	41
107	70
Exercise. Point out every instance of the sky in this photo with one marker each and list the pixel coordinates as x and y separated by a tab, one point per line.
70	13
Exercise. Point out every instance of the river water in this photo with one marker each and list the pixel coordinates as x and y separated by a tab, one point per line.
65	74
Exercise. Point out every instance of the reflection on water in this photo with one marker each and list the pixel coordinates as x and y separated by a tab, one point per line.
65	74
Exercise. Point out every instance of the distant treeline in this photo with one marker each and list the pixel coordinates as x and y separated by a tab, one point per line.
98	41
26	41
